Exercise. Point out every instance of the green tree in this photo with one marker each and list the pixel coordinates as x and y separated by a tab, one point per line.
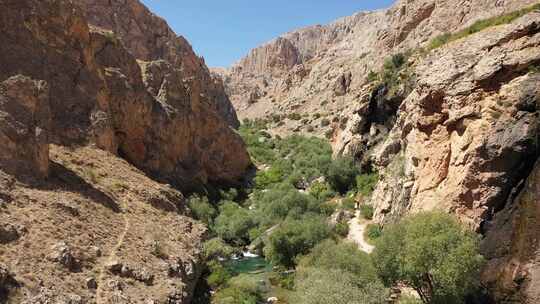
217	248
324	286
294	238
234	223
201	209
341	174
432	253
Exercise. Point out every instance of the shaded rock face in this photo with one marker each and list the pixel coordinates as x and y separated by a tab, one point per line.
511	245
75	104
24	126
163	125
148	37
97	95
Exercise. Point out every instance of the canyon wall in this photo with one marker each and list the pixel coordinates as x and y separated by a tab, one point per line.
456	129
101	128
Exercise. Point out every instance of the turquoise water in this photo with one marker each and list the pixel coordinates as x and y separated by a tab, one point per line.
248	265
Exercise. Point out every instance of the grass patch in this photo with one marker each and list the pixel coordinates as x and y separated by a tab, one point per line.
372	233
366	211
480	25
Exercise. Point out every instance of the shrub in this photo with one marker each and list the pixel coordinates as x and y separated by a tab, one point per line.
348	203
321	191
233	223
338	273
366	183
240	290
432	253
341	174
341	229
343	256
373	232
366	211
217	248
325	122
372	76
218	275
294	238
294	116
282	279
201	209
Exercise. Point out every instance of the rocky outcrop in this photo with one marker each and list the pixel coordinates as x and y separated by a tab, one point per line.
468	132
148	37
97	95
463	142
60	236
312	77
24	126
511	245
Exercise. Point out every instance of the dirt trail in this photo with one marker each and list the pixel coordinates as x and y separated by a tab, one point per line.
357	226
111	257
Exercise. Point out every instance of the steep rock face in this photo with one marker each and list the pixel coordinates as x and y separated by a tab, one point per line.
463	142
24	126
512	246
314	61
163	124
90	105
469	130
78	223
149	38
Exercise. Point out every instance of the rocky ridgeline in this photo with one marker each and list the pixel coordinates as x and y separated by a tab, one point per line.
322	69
458	131
95	98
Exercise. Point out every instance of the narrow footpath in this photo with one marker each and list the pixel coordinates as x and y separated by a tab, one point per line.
357	226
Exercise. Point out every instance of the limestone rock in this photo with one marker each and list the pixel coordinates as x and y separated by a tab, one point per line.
63	254
467	142
313	64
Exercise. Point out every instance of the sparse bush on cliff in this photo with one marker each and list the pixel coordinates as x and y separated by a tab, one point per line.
479	26
432	253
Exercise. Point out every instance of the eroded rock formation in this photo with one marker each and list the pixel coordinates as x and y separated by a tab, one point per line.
458	132
320	71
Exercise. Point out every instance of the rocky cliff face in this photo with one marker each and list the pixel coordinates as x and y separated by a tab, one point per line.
465	139
457	128
148	37
304	71
85	117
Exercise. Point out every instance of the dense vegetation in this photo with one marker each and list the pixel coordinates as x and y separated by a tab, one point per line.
285	217
432	253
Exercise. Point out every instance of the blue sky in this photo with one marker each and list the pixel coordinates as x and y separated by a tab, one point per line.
223	31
